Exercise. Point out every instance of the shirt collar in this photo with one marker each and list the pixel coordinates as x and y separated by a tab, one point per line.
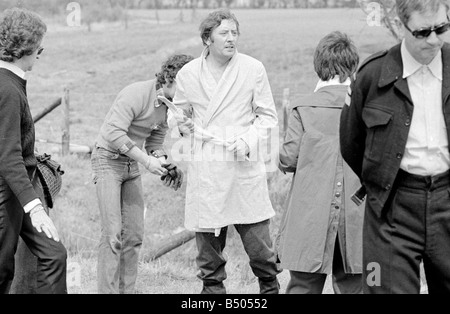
411	66
334	81
13	68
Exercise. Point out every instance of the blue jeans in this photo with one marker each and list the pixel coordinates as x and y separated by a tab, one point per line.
119	191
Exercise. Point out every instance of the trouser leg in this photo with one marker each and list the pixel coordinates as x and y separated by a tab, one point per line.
437	254
393	245
52	259
11	215
25	275
51	255
110	246
344	283
132	233
26	264
305	283
263	261
211	262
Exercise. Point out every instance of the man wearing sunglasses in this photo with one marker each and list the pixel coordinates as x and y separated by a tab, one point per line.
22	203
394	134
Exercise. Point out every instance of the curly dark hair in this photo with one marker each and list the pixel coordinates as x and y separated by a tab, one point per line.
170	68
21	33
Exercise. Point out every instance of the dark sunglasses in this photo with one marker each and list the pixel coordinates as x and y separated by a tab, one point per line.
40	50
425	32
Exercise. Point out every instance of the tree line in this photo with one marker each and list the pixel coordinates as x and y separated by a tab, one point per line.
117	10
58	6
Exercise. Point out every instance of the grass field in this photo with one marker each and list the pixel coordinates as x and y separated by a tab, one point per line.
96	65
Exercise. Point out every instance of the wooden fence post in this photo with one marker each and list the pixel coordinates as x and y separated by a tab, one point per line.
66	127
285	105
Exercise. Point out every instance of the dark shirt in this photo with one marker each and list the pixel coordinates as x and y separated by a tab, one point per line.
17	138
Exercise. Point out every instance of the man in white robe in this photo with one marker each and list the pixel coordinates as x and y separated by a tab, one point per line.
229	96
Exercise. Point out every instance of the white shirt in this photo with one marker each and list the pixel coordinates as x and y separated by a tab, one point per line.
20	73
13	68
426	150
334	81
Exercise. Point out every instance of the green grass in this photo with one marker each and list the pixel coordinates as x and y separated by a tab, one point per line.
96	66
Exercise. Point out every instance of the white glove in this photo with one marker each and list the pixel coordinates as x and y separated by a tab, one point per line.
42	223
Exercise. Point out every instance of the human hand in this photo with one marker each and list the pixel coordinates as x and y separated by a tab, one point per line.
186	126
173	178
240	149
42	223
154	166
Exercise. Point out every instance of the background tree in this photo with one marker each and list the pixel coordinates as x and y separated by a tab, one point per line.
228	3
103	10
385	11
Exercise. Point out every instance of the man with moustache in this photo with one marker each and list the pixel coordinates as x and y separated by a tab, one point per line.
229	95
394	134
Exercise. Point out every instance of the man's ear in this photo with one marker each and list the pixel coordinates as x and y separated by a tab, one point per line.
167	84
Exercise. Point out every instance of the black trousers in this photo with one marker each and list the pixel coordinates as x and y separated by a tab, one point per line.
414	228
257	244
51	255
313	283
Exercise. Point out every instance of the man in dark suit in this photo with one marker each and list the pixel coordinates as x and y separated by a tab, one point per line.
22	211
394	134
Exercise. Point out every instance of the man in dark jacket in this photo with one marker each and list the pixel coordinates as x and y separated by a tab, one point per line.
394	134
21	198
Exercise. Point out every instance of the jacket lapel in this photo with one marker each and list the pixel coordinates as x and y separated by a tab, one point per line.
446	76
206	79
392	72
446	85
222	89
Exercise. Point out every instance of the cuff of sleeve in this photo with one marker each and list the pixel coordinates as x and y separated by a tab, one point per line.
159	153
27	208
125	148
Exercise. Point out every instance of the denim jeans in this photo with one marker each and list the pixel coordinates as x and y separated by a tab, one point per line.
119	191
258	246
